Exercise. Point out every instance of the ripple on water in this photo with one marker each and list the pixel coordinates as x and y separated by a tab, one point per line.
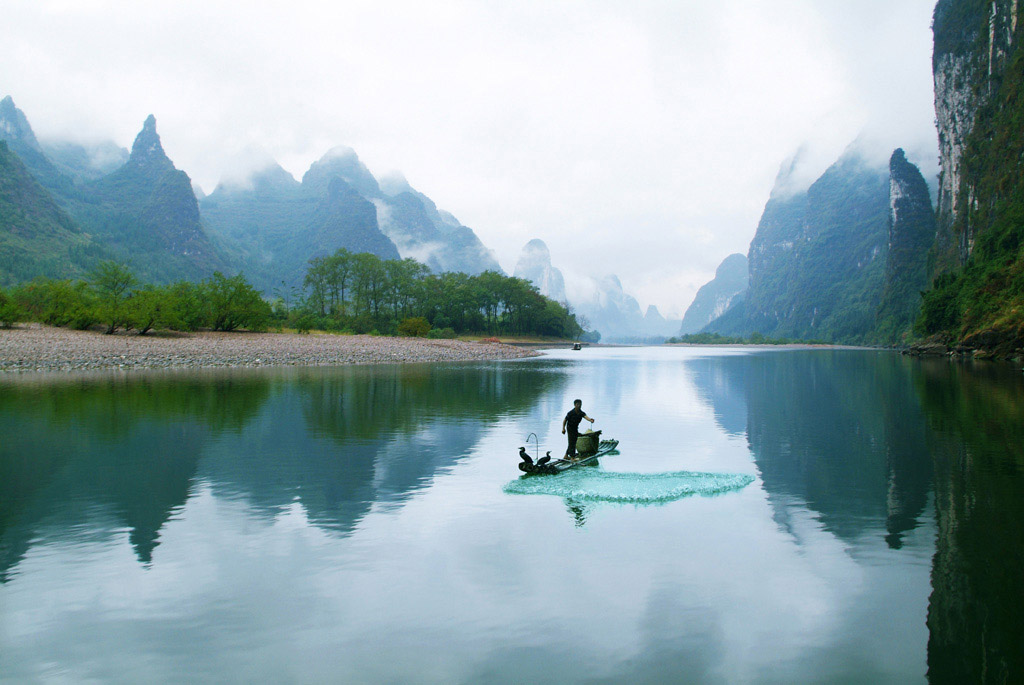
628	488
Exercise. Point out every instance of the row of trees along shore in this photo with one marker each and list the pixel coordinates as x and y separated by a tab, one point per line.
345	292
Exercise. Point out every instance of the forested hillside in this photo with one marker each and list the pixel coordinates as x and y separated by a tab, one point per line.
977	294
37	237
141	210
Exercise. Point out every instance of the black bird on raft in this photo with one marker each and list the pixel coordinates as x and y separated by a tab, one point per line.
528	460
589	455
542	466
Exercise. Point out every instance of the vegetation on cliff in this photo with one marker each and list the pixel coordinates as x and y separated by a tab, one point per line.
979	300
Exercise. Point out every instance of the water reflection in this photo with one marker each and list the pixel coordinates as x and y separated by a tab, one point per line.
350	524
841	433
123	452
974	615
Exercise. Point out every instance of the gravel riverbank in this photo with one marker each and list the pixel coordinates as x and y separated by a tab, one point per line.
32	347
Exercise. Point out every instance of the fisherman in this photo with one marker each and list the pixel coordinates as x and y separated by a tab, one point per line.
572	423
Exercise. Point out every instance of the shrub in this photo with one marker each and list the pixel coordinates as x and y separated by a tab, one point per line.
57	303
362	323
186	310
232	303
10	312
304	323
441	334
113	283
940	306
416	327
152	307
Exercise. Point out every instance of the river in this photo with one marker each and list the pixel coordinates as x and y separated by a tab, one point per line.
772	516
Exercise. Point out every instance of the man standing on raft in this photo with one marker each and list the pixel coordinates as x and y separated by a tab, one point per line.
572	422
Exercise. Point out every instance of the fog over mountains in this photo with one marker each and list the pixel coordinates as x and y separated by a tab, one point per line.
139	208
602	302
841	261
829	262
715	297
841	253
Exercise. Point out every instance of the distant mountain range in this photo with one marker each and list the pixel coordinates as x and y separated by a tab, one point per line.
608	309
90	202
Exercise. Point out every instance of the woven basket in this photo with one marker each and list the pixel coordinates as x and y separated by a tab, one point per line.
587	442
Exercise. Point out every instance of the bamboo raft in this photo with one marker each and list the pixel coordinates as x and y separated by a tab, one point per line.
545	466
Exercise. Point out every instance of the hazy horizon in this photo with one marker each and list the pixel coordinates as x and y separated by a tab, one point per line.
642	139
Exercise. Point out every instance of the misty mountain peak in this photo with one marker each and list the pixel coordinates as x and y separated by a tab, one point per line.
612	282
538	249
534	265
14	126
266	178
653	315
735	265
341	162
147	151
395	183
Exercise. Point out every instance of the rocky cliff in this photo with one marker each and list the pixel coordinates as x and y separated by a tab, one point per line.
973	42
977	295
717	295
535	266
147	213
911	234
817	259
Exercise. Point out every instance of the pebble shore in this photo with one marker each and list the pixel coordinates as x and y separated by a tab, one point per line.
33	347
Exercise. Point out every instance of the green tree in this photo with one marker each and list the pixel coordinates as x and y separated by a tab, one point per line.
232	304
153	307
369	284
187	309
113	285
317	284
339	275
58	303
10	312
404	285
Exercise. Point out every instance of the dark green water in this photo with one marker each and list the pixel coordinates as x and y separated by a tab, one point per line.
772	517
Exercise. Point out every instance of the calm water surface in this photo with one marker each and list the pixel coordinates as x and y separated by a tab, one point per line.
364	524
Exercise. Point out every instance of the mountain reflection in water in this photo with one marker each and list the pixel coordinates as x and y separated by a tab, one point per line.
100	454
840	433
861	437
351	523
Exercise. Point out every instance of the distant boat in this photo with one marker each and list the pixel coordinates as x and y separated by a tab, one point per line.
577	346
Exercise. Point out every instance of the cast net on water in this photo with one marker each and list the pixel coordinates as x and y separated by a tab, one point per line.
628	488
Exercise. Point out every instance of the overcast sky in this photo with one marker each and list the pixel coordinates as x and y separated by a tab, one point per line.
636	138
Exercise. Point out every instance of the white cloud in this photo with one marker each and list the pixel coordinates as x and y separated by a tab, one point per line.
635	138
